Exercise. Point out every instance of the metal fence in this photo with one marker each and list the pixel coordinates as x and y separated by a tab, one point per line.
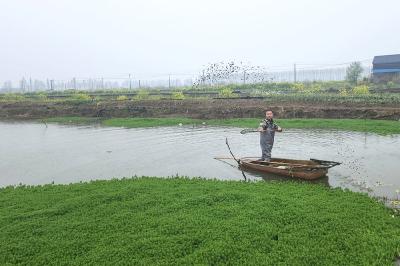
241	75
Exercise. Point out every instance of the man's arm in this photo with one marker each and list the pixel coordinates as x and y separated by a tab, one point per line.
261	127
277	128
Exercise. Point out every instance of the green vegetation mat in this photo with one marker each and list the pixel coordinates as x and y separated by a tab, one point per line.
194	221
382	127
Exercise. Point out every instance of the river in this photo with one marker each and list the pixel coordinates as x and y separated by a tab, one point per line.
35	154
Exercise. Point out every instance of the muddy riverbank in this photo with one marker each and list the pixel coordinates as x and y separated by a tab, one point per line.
204	109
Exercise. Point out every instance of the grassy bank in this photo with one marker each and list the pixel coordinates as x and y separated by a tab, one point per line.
182	221
383	127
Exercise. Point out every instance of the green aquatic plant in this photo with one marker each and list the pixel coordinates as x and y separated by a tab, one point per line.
382	127
181	221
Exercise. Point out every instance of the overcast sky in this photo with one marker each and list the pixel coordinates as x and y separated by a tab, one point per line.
92	38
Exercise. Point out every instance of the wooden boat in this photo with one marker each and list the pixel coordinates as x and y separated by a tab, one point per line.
303	169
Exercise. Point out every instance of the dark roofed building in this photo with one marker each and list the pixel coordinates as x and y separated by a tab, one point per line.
386	68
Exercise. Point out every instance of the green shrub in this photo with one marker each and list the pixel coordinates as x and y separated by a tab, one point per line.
81	97
298	87
177	95
361	90
142	95
42	97
313	88
226	93
343	92
391	85
13	97
155	97
122	98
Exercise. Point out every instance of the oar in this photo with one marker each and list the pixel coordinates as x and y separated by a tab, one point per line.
233	156
248	130
252	130
229	148
223	158
330	163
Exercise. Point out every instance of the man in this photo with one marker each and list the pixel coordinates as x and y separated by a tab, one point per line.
267	133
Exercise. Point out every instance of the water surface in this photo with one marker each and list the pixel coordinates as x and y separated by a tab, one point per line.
31	153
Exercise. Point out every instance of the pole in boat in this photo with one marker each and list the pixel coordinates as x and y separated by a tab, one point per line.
237	160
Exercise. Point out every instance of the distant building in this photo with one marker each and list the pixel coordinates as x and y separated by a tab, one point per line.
386	68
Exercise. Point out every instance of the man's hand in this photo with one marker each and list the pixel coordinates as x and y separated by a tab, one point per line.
279	129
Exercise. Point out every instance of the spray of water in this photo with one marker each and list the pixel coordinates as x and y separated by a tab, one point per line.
231	72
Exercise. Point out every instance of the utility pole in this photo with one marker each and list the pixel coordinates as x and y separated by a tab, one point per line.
294	73
51	84
169	82
130	83
30	84
139	83
74	83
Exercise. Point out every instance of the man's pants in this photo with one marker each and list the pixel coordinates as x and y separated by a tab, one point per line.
266	148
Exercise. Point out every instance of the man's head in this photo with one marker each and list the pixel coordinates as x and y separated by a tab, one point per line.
269	114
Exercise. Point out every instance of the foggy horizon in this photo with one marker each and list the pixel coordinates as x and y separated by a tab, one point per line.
65	39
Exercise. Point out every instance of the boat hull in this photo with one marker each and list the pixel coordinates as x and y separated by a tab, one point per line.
302	169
